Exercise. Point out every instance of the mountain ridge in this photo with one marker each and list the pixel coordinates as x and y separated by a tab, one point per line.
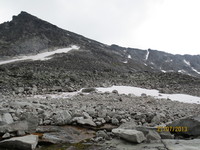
93	64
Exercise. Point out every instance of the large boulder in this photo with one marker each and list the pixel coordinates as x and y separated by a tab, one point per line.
62	117
83	121
14	127
28	142
32	120
6	117
153	134
129	135
189	126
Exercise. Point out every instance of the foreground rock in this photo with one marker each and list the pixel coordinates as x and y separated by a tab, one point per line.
190	124
130	135
6	118
62	117
14	127
28	142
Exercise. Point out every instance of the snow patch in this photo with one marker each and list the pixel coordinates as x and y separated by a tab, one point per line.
129	56
147	55
41	56
186	62
195	70
181	71
125	62
164	71
151	92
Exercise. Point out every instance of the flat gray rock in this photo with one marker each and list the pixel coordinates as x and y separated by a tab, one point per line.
182	144
124	145
129	135
28	142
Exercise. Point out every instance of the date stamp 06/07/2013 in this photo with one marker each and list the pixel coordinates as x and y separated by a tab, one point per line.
172	129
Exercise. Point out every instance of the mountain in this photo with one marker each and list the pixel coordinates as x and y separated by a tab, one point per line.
93	64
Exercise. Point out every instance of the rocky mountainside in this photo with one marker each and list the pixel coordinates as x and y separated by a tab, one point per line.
27	34
93	64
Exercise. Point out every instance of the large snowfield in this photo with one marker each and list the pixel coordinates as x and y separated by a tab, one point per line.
155	93
130	90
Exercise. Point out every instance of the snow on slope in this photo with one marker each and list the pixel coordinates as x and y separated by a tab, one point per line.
147	55
41	56
195	70
186	62
129	90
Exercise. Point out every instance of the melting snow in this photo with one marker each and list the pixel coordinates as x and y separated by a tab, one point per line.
155	93
59	95
147	55
187	62
195	70
130	90
41	56
181	71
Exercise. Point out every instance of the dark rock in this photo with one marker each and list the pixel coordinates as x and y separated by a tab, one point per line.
189	124
88	90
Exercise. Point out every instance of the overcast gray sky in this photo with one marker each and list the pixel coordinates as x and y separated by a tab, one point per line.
167	25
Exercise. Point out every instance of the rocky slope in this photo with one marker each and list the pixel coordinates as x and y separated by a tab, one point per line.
94	64
27	34
103	115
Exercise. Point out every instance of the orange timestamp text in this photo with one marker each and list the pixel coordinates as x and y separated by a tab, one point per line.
172	129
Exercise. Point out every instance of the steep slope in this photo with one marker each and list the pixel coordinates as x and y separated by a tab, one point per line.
92	64
27	34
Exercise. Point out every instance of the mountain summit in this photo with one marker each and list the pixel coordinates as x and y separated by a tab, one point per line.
27	34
